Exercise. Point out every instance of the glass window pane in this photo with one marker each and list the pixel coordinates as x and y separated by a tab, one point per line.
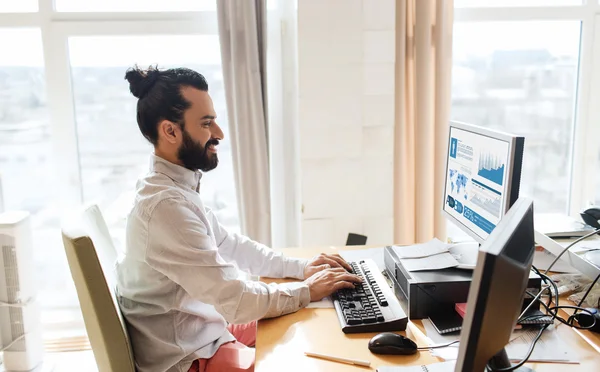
134	5
521	77
113	153
513	3
26	164
20	6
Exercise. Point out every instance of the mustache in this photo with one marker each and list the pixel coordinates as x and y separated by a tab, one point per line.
211	142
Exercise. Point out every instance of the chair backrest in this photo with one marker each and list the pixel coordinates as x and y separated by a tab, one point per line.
92	258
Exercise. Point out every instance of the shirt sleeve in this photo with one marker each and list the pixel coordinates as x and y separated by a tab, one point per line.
180	248
253	257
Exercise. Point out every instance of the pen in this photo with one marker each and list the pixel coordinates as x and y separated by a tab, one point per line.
364	363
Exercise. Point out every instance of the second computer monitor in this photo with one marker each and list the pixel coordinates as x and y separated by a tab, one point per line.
483	174
496	293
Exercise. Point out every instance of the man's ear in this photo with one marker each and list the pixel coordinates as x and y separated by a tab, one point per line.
169	131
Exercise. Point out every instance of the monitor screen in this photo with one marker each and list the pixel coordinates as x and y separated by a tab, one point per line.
477	180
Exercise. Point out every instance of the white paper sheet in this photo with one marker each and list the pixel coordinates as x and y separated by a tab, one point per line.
549	348
432	247
435	262
325	303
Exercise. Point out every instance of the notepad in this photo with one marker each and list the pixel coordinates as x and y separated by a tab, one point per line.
533	316
446	321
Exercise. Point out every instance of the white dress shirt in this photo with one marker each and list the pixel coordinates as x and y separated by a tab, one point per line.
178	282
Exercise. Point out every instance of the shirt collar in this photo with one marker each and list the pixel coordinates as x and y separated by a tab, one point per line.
179	174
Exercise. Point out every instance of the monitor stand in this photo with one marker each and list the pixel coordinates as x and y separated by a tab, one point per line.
500	361
593	257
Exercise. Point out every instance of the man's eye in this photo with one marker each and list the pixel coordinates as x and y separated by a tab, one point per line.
207	124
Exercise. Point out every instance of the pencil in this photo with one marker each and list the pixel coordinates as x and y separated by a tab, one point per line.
364	363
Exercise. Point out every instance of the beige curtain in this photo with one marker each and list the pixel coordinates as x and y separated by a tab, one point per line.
242	37
423	70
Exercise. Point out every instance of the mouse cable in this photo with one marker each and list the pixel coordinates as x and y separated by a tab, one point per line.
438	346
569	246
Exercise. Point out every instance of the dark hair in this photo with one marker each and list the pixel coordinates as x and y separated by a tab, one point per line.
159	94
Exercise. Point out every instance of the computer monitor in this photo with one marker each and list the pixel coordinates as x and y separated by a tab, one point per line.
483	174
497	290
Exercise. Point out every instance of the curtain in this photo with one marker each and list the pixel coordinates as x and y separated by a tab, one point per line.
423	84
242	35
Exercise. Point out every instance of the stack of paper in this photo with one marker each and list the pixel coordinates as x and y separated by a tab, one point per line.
433	255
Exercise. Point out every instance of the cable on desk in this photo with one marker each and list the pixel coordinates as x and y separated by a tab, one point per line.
553	311
438	346
524	360
569	246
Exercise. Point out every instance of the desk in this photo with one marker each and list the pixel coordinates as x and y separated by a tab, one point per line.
281	342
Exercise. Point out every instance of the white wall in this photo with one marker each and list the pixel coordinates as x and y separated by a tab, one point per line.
346	115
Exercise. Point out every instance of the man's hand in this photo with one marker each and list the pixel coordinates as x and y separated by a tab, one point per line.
327	281
325	261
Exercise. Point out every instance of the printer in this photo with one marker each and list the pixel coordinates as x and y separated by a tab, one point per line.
421	293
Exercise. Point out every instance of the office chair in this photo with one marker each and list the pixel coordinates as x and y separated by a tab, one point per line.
92	258
356	239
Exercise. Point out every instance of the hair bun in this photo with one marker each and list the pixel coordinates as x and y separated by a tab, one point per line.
141	81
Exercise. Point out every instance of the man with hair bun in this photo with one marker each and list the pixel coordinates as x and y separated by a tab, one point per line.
178	284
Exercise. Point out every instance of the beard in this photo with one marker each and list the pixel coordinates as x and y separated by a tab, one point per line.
194	156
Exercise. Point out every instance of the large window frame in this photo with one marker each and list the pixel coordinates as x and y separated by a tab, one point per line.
585	146
56	28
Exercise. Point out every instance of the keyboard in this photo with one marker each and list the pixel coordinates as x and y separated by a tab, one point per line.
370	306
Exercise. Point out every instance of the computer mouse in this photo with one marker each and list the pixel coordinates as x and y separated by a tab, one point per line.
392	343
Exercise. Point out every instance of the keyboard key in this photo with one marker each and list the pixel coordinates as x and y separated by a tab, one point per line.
353	321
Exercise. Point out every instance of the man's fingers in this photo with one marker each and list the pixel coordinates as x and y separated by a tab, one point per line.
326	260
341	285
338	270
349	277
340	261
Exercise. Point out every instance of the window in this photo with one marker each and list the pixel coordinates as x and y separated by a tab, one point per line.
521	77
528	67
82	144
134	5
26	164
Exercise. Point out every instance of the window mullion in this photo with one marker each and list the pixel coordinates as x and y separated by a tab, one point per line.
62	113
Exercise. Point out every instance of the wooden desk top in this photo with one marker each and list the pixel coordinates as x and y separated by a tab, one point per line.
281	342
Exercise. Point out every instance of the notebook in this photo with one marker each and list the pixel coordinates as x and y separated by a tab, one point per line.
533	316
446	321
434	367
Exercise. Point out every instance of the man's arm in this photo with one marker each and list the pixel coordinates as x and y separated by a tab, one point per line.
180	248
253	257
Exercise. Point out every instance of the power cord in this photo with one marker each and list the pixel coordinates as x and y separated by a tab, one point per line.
569	246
